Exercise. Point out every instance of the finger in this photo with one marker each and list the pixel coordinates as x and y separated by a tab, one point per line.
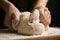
47	16
41	11
42	17
15	19
7	19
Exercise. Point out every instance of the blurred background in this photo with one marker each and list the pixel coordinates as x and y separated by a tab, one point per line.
54	7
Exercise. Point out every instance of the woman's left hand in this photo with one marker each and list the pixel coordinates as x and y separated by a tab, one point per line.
45	16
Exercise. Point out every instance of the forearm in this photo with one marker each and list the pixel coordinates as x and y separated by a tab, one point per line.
41	3
7	6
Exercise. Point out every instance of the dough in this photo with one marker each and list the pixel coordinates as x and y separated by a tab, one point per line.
29	23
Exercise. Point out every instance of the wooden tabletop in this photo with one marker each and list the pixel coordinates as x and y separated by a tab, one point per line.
51	34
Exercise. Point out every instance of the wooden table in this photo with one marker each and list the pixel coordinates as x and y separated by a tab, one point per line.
51	34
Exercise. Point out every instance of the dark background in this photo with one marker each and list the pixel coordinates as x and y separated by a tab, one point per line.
54	7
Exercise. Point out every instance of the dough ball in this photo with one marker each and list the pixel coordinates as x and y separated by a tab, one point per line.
29	23
28	27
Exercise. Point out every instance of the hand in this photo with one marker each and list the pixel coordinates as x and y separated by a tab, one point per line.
45	16
11	14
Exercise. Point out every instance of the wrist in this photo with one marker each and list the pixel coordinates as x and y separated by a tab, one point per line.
41	7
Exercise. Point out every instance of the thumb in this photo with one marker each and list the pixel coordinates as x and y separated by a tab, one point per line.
41	12
15	19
